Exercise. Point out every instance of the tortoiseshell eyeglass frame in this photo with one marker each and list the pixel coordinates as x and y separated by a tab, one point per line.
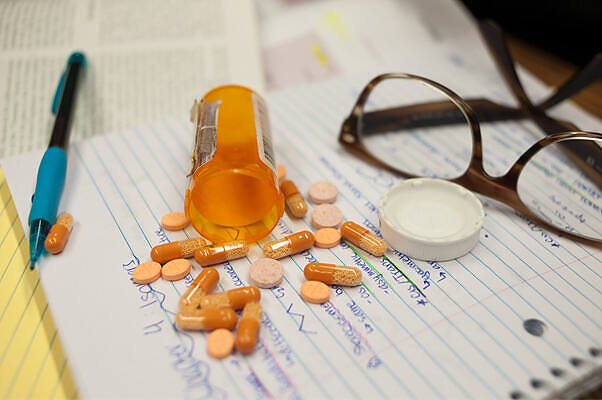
581	146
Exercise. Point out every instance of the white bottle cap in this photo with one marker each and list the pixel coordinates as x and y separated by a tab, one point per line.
430	219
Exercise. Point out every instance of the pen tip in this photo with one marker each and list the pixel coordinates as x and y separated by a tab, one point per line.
32	261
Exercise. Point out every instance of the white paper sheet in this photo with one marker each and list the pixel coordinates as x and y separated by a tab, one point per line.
381	339
313	40
145	61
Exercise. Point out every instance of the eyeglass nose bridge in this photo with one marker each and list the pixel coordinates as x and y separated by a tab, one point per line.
502	188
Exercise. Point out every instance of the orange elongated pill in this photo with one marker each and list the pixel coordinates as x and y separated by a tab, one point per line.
248	328
59	233
291	244
293	199
219	253
201	286
333	274
363	238
234	298
206	319
170	251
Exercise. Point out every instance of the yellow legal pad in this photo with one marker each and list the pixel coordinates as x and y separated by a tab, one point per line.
32	360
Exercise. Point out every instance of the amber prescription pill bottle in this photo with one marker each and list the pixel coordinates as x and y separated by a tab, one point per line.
233	192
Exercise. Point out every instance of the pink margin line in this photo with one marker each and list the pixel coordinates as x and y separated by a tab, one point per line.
278	365
352	327
480	301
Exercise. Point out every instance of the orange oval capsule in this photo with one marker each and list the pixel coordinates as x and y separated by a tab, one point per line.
291	244
248	328
201	286
293	199
170	251
207	319
59	233
333	274
234	298
219	253
363	238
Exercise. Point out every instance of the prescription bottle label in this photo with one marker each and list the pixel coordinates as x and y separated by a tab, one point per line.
204	116
265	147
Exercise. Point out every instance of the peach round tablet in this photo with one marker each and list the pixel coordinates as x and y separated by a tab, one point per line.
174	221
281	169
326	216
327	238
322	192
176	269
315	292
220	343
266	273
147	272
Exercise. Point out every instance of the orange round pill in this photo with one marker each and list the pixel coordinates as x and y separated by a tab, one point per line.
281	169
220	343
315	292
327	238
326	216
147	272
322	192
176	269
174	221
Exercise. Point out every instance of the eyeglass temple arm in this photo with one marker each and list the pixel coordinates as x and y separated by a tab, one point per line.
494	39
581	79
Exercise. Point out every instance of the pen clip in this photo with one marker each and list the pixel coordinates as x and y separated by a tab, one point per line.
58	93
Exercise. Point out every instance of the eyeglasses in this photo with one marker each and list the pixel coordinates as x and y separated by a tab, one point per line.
428	130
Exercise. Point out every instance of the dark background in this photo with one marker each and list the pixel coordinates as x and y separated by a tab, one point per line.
570	29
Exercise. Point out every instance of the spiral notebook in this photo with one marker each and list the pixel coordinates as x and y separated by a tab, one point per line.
520	316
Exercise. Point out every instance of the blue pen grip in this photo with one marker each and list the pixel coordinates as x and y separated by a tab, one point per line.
51	178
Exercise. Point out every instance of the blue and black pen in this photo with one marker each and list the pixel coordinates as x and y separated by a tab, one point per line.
52	170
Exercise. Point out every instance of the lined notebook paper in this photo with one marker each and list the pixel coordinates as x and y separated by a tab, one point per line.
466	338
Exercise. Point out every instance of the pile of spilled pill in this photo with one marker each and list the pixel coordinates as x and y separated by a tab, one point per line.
200	309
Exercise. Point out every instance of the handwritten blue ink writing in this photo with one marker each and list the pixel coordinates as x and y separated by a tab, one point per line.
360	316
372	274
348	330
533	227
161	235
194	372
301	320
232	274
280	343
